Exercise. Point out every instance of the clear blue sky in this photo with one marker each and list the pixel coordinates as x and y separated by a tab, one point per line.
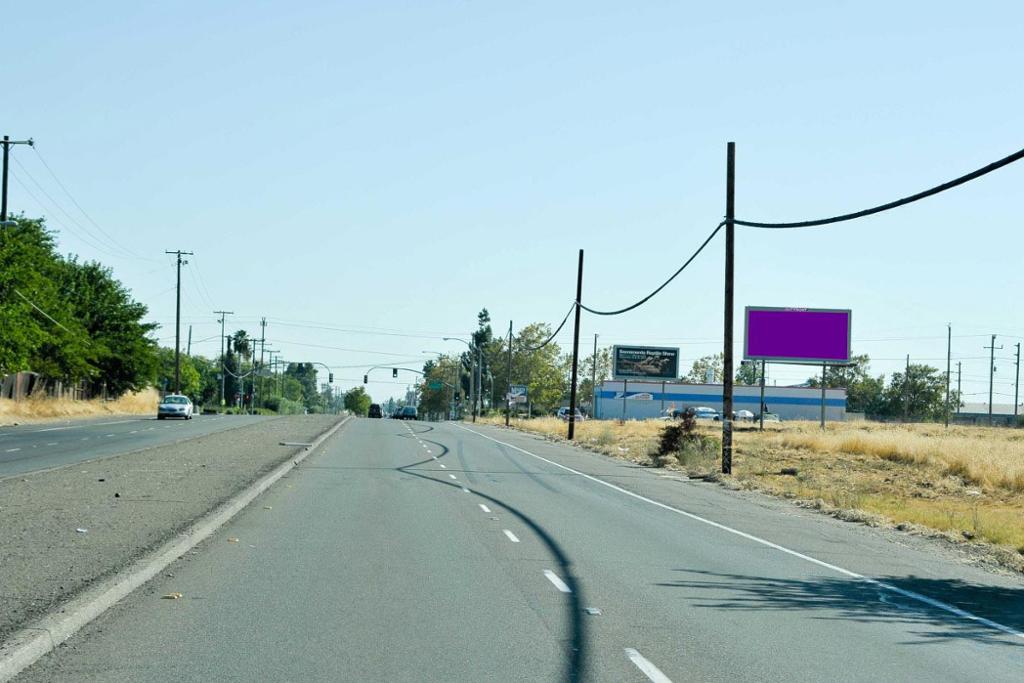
399	166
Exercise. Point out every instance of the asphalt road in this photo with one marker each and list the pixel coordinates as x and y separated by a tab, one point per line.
426	552
27	448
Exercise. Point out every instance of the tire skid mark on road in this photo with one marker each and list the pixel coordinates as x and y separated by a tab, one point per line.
576	648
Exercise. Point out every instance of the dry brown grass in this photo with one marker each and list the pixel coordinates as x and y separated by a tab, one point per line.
43	409
967	482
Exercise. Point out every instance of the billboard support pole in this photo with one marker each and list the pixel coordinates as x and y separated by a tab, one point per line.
662	397
824	367
625	387
730	229
761	411
575	350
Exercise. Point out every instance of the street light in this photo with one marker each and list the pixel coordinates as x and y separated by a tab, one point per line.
474	379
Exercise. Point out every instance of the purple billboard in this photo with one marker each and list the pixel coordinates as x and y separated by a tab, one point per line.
797	335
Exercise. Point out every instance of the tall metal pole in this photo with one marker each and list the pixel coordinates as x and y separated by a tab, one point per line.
575	350
991	376
223	371
761	428
730	229
1016	383
177	322
949	362
824	367
508	394
906	392
188	347
593	381
958	394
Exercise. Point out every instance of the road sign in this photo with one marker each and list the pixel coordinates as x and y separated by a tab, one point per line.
435	386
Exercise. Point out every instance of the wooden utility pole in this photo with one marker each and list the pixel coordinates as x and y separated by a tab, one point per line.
730	229
575	350
177	321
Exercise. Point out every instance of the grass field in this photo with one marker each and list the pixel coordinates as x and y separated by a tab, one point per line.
966	482
40	409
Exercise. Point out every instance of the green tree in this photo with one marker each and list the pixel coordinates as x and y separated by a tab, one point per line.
698	372
305	374
357	401
190	380
749	373
586	374
919	393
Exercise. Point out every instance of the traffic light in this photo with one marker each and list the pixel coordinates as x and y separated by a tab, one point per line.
394	372
330	378
366	379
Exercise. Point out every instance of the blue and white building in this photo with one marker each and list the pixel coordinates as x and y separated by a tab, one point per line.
638	400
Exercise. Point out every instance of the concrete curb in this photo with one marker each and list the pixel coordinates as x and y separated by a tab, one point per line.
30	643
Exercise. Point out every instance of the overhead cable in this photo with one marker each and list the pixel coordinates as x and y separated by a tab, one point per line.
664	284
555	333
996	165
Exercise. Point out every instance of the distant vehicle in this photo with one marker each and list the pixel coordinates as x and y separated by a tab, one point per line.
175	405
407	413
742	415
705	413
769	417
375	411
563	414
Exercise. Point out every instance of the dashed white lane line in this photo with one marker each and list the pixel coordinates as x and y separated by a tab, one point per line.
557	580
12	450
52	443
108	435
453	476
652	672
84	438
938	604
484	508
511	536
465	490
134	431
443	466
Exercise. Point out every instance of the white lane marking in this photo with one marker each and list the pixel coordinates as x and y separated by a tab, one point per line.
108	435
12	450
434	457
84	438
443	466
512	537
134	431
484	508
453	476
465	490
52	443
557	580
652	672
938	604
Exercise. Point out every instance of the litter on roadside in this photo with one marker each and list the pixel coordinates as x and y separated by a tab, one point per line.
81	530
171	596
232	540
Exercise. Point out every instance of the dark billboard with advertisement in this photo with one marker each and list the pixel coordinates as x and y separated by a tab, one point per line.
797	335
645	362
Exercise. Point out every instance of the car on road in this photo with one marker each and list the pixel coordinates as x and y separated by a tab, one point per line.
375	411
563	414
407	413
175	405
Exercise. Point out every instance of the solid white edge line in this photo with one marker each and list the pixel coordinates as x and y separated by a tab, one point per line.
484	508
652	672
938	604
511	536
557	581
26	645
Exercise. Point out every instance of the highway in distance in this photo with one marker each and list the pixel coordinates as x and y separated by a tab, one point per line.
414	551
33	447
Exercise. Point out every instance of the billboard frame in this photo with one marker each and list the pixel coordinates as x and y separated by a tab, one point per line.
641	378
789	359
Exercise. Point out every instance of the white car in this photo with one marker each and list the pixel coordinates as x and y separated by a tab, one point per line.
705	413
175	405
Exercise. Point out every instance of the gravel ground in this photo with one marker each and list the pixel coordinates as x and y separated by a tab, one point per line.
64	529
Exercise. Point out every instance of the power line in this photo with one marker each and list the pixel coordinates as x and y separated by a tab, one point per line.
88	217
664	284
996	165
555	333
